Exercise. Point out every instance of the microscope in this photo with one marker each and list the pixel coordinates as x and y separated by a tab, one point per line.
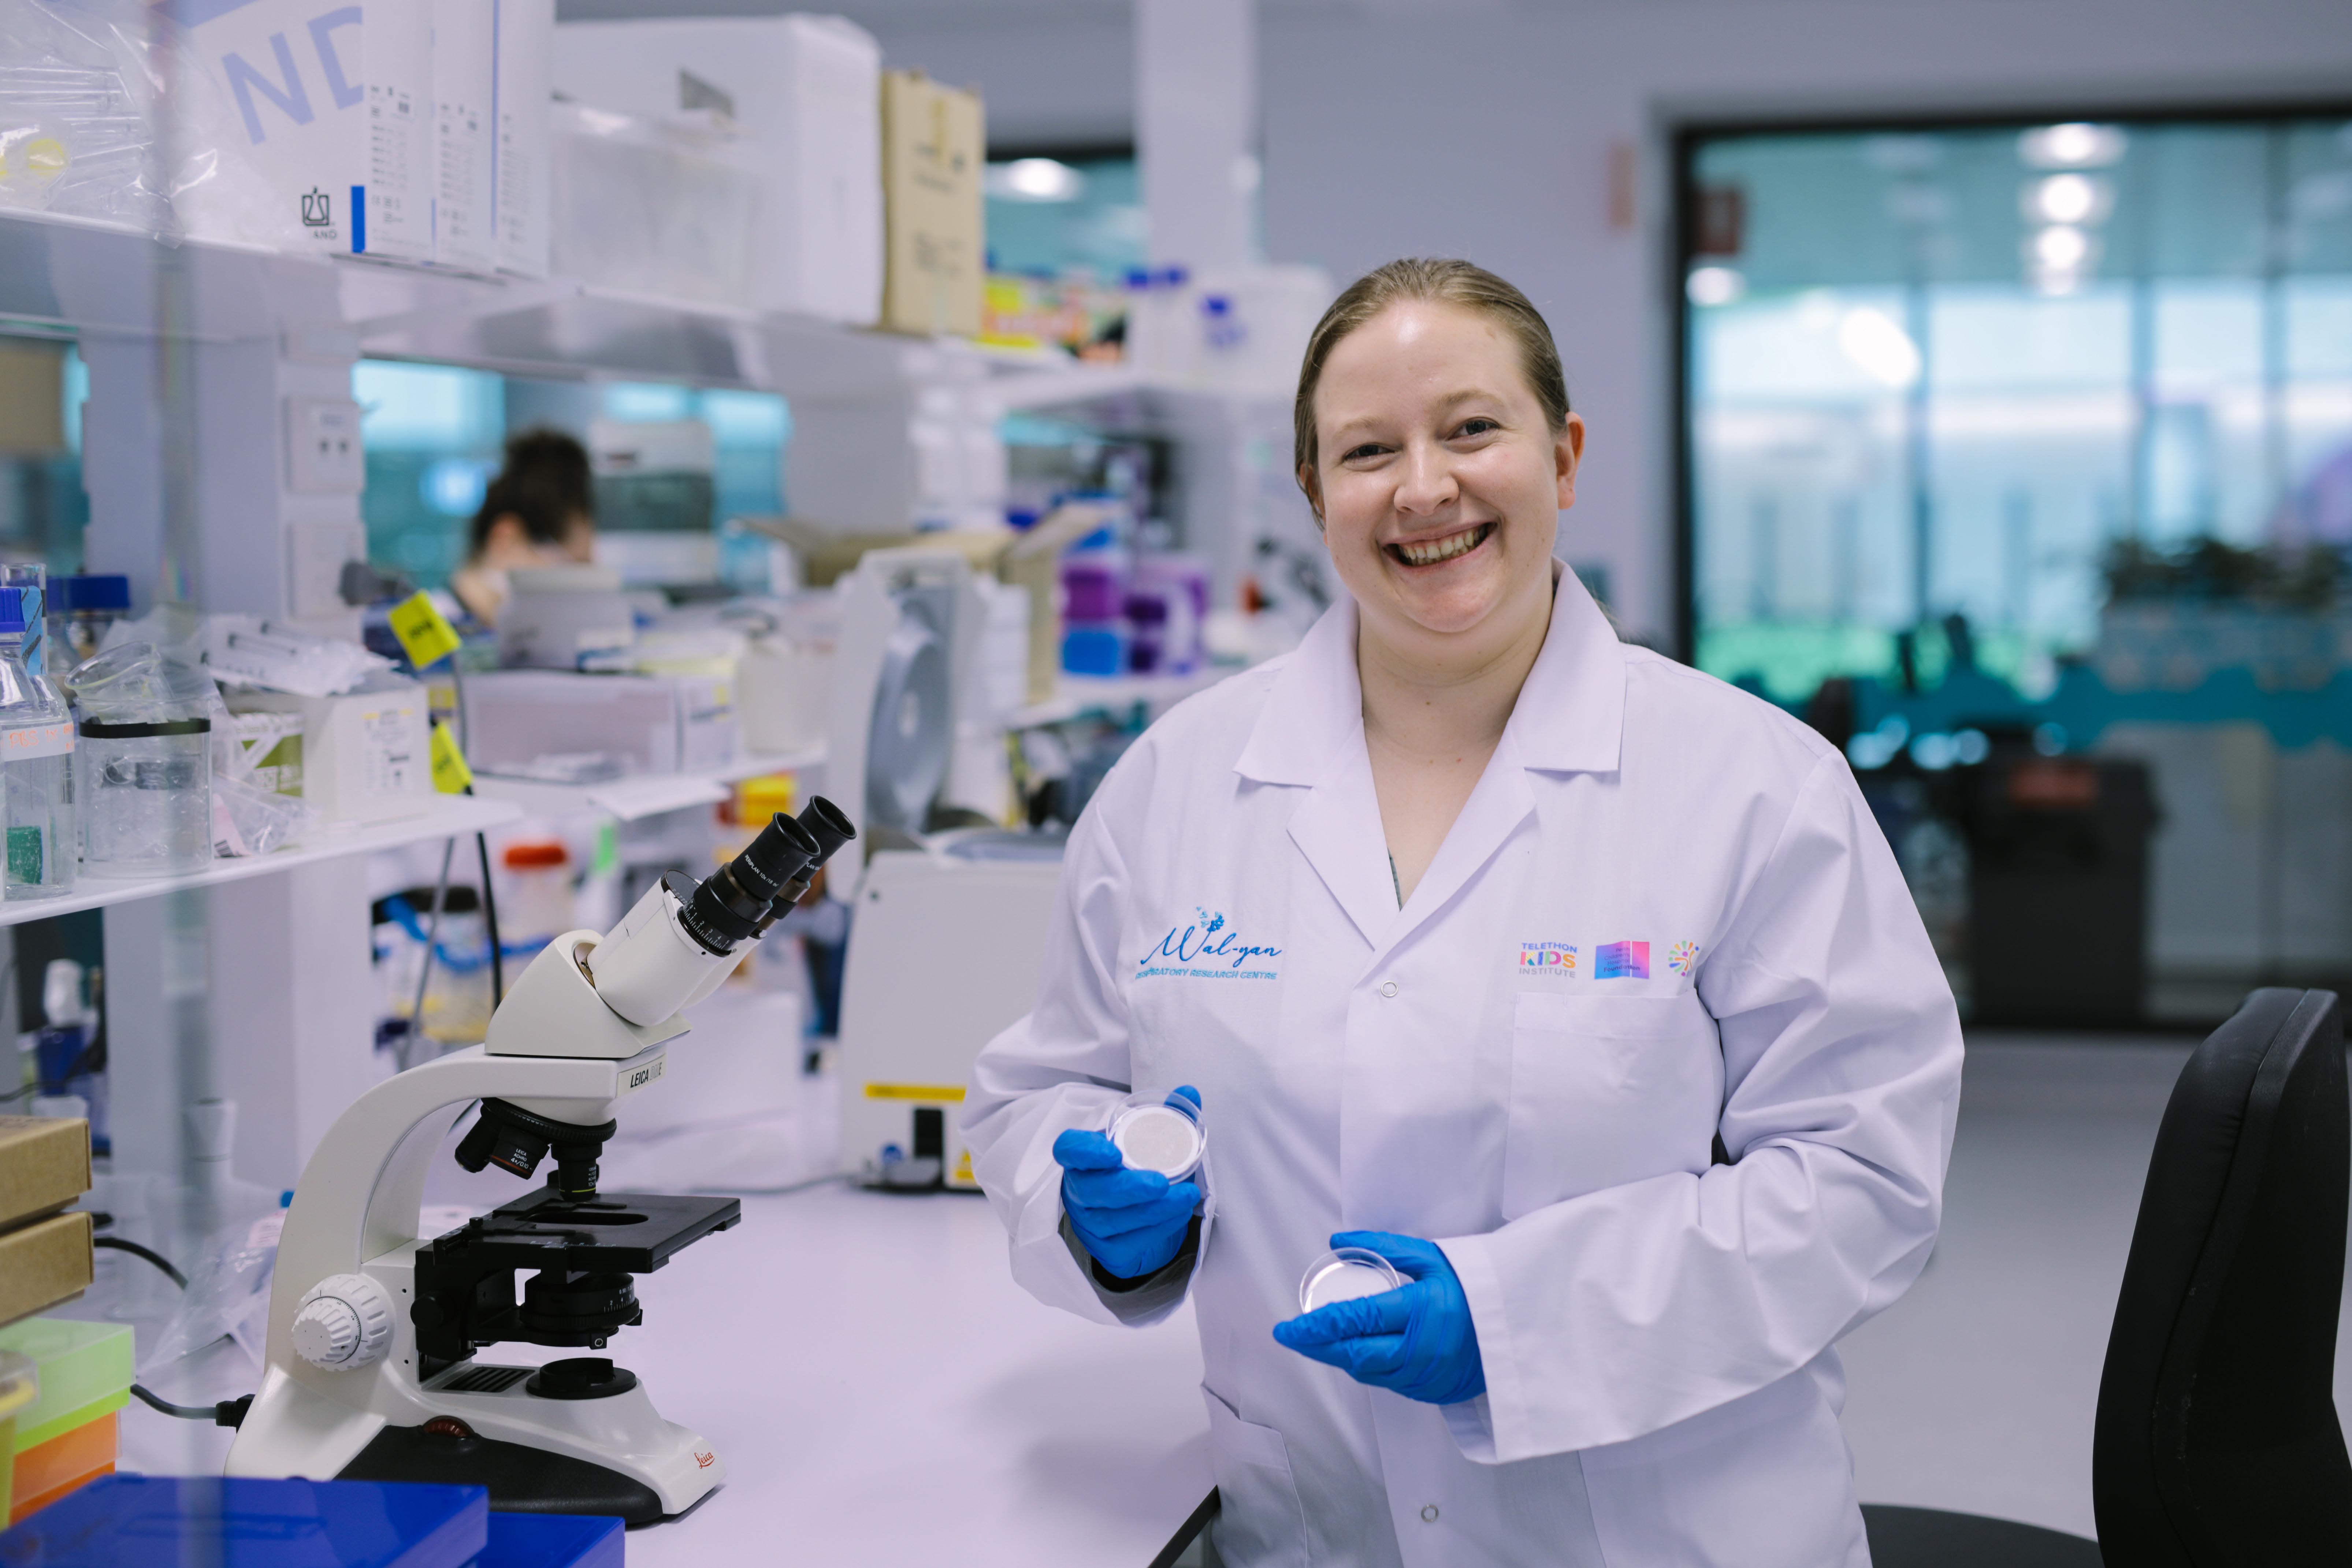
370	1371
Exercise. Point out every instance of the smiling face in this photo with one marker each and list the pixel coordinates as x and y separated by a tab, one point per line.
1440	482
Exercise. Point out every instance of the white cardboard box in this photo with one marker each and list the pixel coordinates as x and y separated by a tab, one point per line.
465	134
334	107
652	723
806	92
365	754
524	41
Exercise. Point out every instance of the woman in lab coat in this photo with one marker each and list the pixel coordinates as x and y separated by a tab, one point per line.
1580	985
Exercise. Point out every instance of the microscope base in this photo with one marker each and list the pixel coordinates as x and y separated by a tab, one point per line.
520	1479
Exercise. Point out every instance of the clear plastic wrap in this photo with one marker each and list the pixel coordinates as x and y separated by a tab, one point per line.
251	820
106	114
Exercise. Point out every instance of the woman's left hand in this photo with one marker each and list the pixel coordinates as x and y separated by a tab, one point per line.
1417	1341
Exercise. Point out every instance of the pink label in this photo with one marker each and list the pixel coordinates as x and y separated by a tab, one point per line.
36	740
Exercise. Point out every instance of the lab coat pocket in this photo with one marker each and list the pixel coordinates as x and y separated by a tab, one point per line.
1260	1523
1607	1090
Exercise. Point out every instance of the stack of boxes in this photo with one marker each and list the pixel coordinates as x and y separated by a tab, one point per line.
68	1436
44	1258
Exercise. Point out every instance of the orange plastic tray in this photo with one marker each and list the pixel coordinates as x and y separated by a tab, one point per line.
47	1471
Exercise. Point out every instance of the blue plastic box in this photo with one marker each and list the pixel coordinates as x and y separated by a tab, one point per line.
169	1522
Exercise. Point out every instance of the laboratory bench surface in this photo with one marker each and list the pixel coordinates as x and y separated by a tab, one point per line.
884	1394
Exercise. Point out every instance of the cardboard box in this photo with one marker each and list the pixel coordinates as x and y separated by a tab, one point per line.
806	92
652	723
465	134
934	142
335	112
45	1263
44	1166
525	33
365	753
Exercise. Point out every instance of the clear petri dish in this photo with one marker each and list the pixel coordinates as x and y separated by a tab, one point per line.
1162	1135
1344	1274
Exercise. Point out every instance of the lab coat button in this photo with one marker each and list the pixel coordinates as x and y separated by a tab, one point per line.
1429	1513
1389	989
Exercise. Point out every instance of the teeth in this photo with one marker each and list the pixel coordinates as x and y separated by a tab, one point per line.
1445	549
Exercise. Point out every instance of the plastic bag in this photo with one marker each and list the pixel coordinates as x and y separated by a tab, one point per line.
251	820
249	652
139	683
227	1295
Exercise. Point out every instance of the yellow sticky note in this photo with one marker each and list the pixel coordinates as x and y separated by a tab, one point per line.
424	634
450	774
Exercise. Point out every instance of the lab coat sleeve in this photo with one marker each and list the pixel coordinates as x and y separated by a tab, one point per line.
1065	1065
1618	1312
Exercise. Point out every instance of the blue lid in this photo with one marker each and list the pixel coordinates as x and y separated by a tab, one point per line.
554	1541
12	612
174	1521
101	591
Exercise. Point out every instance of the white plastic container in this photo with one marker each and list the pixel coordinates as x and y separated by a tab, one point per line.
37	747
1162	1135
1347	1274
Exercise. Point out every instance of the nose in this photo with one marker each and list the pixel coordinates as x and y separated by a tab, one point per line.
1425	484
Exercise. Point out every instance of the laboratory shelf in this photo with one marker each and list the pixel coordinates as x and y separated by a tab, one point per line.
643	795
448	816
1078	695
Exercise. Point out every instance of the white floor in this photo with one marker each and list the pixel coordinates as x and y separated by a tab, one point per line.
1978	1390
883	1393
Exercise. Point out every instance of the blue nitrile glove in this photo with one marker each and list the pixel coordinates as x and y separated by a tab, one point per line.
1417	1341
1133	1223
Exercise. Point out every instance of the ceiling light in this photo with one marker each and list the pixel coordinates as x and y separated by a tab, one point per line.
1883	351
2073	145
1716	285
2066	198
2062	246
1035	179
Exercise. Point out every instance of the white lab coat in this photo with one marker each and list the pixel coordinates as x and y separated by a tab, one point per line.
1488	1069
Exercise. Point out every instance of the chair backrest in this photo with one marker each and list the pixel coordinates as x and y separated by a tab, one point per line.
2217	1438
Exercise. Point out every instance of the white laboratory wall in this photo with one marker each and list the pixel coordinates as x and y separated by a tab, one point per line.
1485	128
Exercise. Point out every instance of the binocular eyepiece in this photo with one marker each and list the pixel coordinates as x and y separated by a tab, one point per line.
753	890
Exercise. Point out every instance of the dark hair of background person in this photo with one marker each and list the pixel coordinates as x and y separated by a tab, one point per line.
1442	281
544	484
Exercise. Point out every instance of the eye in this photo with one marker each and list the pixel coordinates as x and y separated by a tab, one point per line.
1478	425
1368	449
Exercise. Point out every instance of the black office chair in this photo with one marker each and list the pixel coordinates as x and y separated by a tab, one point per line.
2217	1444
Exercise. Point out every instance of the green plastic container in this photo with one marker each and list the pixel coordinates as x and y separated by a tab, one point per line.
85	1371
20	1385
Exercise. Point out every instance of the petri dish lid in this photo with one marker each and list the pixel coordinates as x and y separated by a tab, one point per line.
1162	1135
1344	1274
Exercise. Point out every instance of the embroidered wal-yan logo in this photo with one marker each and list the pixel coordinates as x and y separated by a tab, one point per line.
1207	947
1682	957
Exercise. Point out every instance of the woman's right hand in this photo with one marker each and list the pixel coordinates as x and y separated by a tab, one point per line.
1133	1223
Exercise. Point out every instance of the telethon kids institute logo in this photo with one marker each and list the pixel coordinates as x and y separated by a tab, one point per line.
1207	947
1557	959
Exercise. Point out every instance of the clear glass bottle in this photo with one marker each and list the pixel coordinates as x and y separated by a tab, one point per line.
37	747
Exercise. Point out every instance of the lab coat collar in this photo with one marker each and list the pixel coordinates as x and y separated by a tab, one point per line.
1569	717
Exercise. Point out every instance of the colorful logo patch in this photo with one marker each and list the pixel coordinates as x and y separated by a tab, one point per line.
1555	958
1682	957
1621	960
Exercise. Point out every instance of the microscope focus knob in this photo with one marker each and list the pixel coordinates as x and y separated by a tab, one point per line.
344	1321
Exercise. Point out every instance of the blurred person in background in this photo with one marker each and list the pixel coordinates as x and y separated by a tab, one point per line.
540	510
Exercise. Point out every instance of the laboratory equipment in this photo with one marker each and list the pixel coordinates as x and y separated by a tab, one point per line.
1161	1135
526	722
1416	1339
1345	1274
357	1387
36	745
146	765
254	1523
365	753
555	616
976	904
910	625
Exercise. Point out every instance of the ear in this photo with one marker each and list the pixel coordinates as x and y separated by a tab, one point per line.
1567	452
506	538
1314	488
